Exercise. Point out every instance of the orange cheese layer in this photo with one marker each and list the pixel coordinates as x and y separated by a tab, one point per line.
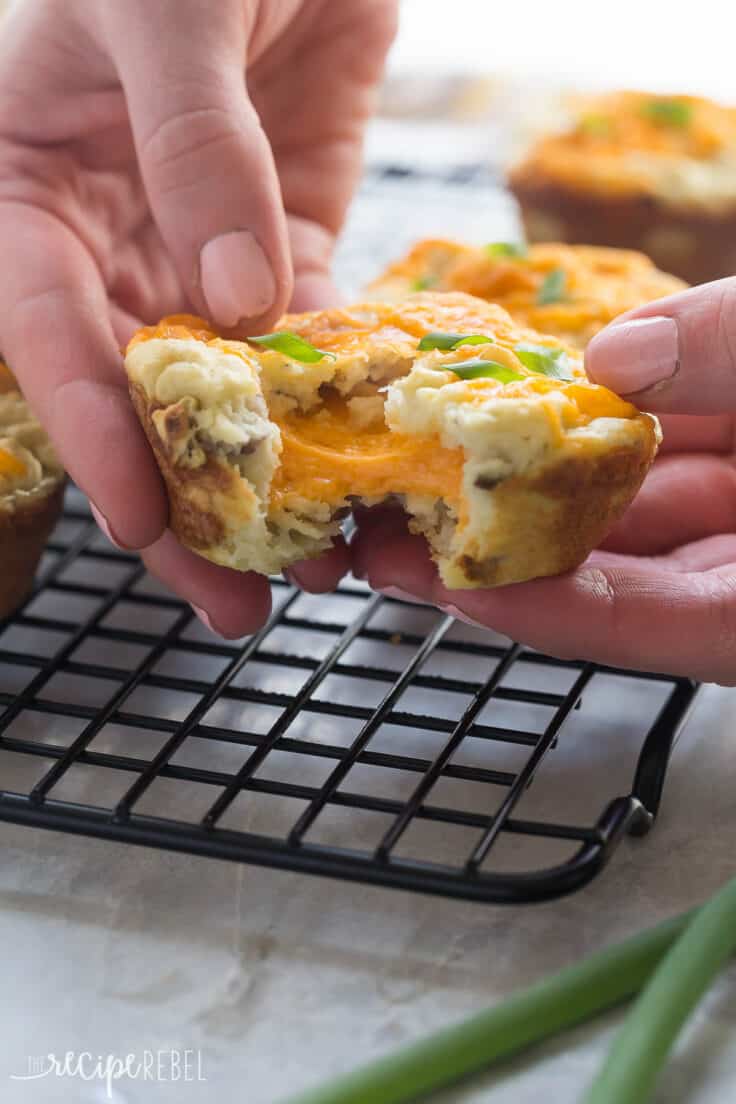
325	459
11	465
600	283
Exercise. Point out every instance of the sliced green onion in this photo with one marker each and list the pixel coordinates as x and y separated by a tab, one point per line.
549	362
597	126
553	287
448	341
562	1000
292	345
673	113
678	983
423	282
483	369
506	249
473	339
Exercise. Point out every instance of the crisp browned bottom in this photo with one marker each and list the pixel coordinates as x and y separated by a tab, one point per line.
551	523
697	246
23	535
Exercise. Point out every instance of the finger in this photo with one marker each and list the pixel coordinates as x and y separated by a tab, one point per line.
55	331
230	603
682	499
676	354
323	573
689	433
615	610
206	162
311	253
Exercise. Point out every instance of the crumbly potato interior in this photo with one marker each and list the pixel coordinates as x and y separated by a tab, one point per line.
29	468
272	452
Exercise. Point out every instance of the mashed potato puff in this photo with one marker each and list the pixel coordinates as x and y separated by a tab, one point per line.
507	459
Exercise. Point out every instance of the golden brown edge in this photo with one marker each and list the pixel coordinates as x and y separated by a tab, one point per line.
23	536
695	245
555	519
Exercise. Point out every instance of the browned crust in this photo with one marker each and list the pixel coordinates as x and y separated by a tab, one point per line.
552	521
190	491
23	535
697	245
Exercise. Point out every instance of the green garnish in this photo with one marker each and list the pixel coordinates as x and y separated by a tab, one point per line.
422	283
553	287
597	126
677	984
506	249
569	997
450	341
548	362
483	369
291	345
673	113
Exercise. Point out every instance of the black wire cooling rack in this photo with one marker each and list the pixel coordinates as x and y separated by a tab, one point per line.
98	738
354	736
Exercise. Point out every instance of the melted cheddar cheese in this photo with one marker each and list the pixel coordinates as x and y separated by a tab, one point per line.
329	454
10	464
679	148
326	459
599	283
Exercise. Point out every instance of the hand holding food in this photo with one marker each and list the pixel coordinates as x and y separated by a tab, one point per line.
659	594
141	175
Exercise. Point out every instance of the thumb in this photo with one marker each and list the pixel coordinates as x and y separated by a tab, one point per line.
677	354
206	163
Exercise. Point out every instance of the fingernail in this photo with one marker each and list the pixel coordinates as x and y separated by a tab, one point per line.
104	525
634	356
237	279
291	577
205	618
402	595
460	616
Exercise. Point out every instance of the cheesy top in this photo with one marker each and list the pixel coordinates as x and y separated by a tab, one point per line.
375	415
29	468
681	149
593	284
374	343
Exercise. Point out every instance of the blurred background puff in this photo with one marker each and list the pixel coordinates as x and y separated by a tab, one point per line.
570	291
31	493
639	171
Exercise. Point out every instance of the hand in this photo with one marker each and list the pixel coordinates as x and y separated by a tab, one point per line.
661	593
139	177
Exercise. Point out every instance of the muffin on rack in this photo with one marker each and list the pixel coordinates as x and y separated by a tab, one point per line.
506	457
639	171
571	291
31	493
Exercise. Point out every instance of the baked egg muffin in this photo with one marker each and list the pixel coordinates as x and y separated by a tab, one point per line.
571	291
31	493
640	171
505	456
